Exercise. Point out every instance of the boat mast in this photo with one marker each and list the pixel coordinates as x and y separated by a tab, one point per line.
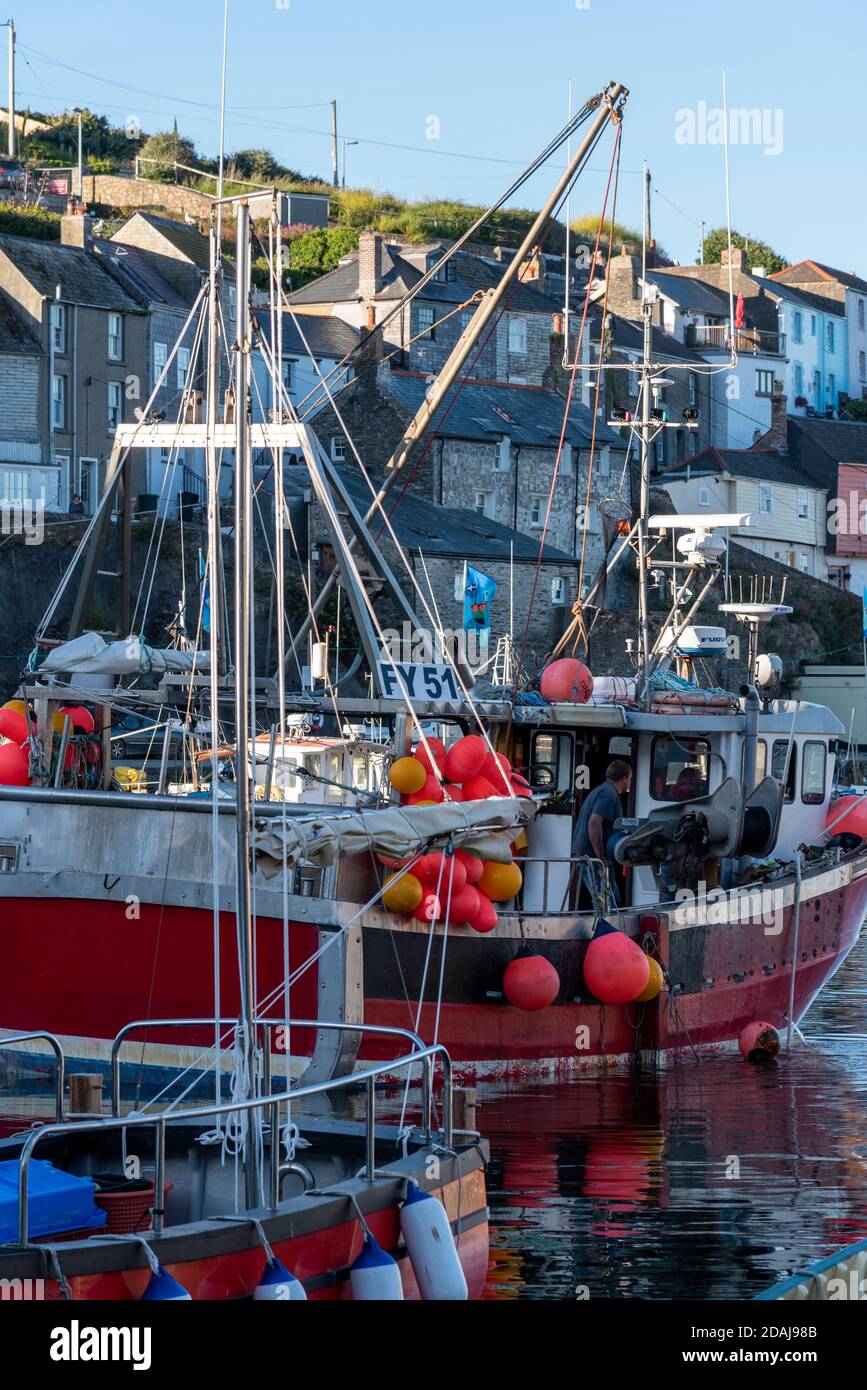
243	581
644	434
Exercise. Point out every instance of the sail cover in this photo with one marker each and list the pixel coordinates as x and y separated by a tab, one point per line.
91	656
485	827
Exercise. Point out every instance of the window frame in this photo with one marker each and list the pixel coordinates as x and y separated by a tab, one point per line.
814	798
115	337
58	326
518	328
62	400
698	747
429	329
159	366
766	493
792	778
112	387
182	368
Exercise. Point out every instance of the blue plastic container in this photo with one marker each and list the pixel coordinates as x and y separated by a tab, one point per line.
57	1202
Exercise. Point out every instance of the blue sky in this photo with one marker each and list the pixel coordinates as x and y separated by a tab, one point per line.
495	76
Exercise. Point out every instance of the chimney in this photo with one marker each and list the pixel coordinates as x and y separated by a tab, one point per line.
371	318
76	226
533	268
777	436
738	258
369	264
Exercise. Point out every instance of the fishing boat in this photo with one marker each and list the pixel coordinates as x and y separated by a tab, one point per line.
727	897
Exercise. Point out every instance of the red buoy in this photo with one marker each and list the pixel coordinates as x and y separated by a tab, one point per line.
437	752
474	866
429	909
465	758
615	969
530	981
759	1042
485	918
478	788
464	906
848	816
429	867
498	771
567	681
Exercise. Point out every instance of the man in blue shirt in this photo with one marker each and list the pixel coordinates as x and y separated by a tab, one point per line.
600	810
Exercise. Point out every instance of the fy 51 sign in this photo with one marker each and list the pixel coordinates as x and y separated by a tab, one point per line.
419	682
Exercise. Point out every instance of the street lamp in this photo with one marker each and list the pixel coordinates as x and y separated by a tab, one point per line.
76	111
345	143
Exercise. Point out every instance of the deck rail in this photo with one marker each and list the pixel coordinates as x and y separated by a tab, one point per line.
60	1070
271	1103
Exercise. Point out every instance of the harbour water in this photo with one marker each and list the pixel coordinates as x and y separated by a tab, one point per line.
712	1179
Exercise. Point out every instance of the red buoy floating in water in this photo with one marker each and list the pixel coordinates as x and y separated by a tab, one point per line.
567	681
759	1042
616	971
530	981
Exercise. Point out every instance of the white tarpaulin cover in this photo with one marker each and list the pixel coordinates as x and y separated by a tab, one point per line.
90	655
485	827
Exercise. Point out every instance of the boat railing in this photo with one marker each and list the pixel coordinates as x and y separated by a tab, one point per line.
576	863
60	1069
268	1025
269	1103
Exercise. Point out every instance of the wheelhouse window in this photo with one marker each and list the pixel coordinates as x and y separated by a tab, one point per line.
679	768
778	766
551	765
813	773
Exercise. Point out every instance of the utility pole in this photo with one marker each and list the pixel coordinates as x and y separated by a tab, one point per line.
334	171
648	233
701	259
12	142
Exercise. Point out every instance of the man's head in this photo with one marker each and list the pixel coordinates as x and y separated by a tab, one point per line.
620	773
76	497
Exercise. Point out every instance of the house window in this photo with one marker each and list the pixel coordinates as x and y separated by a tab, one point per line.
693	388
812	325
338	448
798	379
831	337
289	365
58	326
115	338
466	316
862	367
803	503
632	377
832	388
161	353
764	383
232	312
704	496
558	591
517	334
426	322
817	385
766	499
797	327
183	364
860	313
114	405
484	503
537	511
58	402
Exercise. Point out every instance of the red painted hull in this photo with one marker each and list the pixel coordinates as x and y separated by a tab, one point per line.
69	968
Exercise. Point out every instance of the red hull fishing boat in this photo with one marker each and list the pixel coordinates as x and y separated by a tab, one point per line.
724	895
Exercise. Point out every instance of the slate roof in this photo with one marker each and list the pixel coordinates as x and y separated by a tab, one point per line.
814	302
137	269
827	272
628	336
400	275
763	465
327	335
529	415
15	336
186	239
82	279
448	532
691	293
841	441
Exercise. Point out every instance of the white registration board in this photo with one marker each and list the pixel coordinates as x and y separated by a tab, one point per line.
401	680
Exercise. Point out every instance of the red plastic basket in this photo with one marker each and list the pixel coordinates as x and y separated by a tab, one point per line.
127	1212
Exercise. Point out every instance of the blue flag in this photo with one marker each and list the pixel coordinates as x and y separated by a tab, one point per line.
479	590
206	594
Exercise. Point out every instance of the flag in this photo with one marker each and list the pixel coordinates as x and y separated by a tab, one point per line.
479	590
739	312
206	594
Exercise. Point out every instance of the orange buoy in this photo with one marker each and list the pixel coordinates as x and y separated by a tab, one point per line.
616	971
81	718
530	981
759	1042
567	681
407	775
500	881
464	759
402	894
654	983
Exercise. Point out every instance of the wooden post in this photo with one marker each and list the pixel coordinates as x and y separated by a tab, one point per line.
464	1109
85	1093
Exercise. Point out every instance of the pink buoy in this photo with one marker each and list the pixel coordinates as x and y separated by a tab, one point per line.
616	971
465	758
759	1042
478	788
567	681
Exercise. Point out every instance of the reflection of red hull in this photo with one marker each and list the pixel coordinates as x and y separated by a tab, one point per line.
74	968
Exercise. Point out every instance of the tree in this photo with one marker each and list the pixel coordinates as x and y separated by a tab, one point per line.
161	152
258	165
586	229
757	252
319	251
854	410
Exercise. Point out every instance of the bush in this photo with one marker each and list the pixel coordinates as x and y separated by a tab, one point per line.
160	153
30	221
319	251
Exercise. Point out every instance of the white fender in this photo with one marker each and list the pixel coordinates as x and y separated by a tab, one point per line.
375	1277
431	1245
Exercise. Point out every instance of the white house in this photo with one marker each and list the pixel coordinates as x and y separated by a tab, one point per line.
325	339
849	292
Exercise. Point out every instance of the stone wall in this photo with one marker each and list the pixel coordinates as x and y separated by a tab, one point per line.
114	192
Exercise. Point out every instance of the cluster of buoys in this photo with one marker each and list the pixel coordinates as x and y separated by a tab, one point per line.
467	771
567	681
617	971
459	886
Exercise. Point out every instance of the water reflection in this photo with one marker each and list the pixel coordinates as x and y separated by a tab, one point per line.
710	1180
